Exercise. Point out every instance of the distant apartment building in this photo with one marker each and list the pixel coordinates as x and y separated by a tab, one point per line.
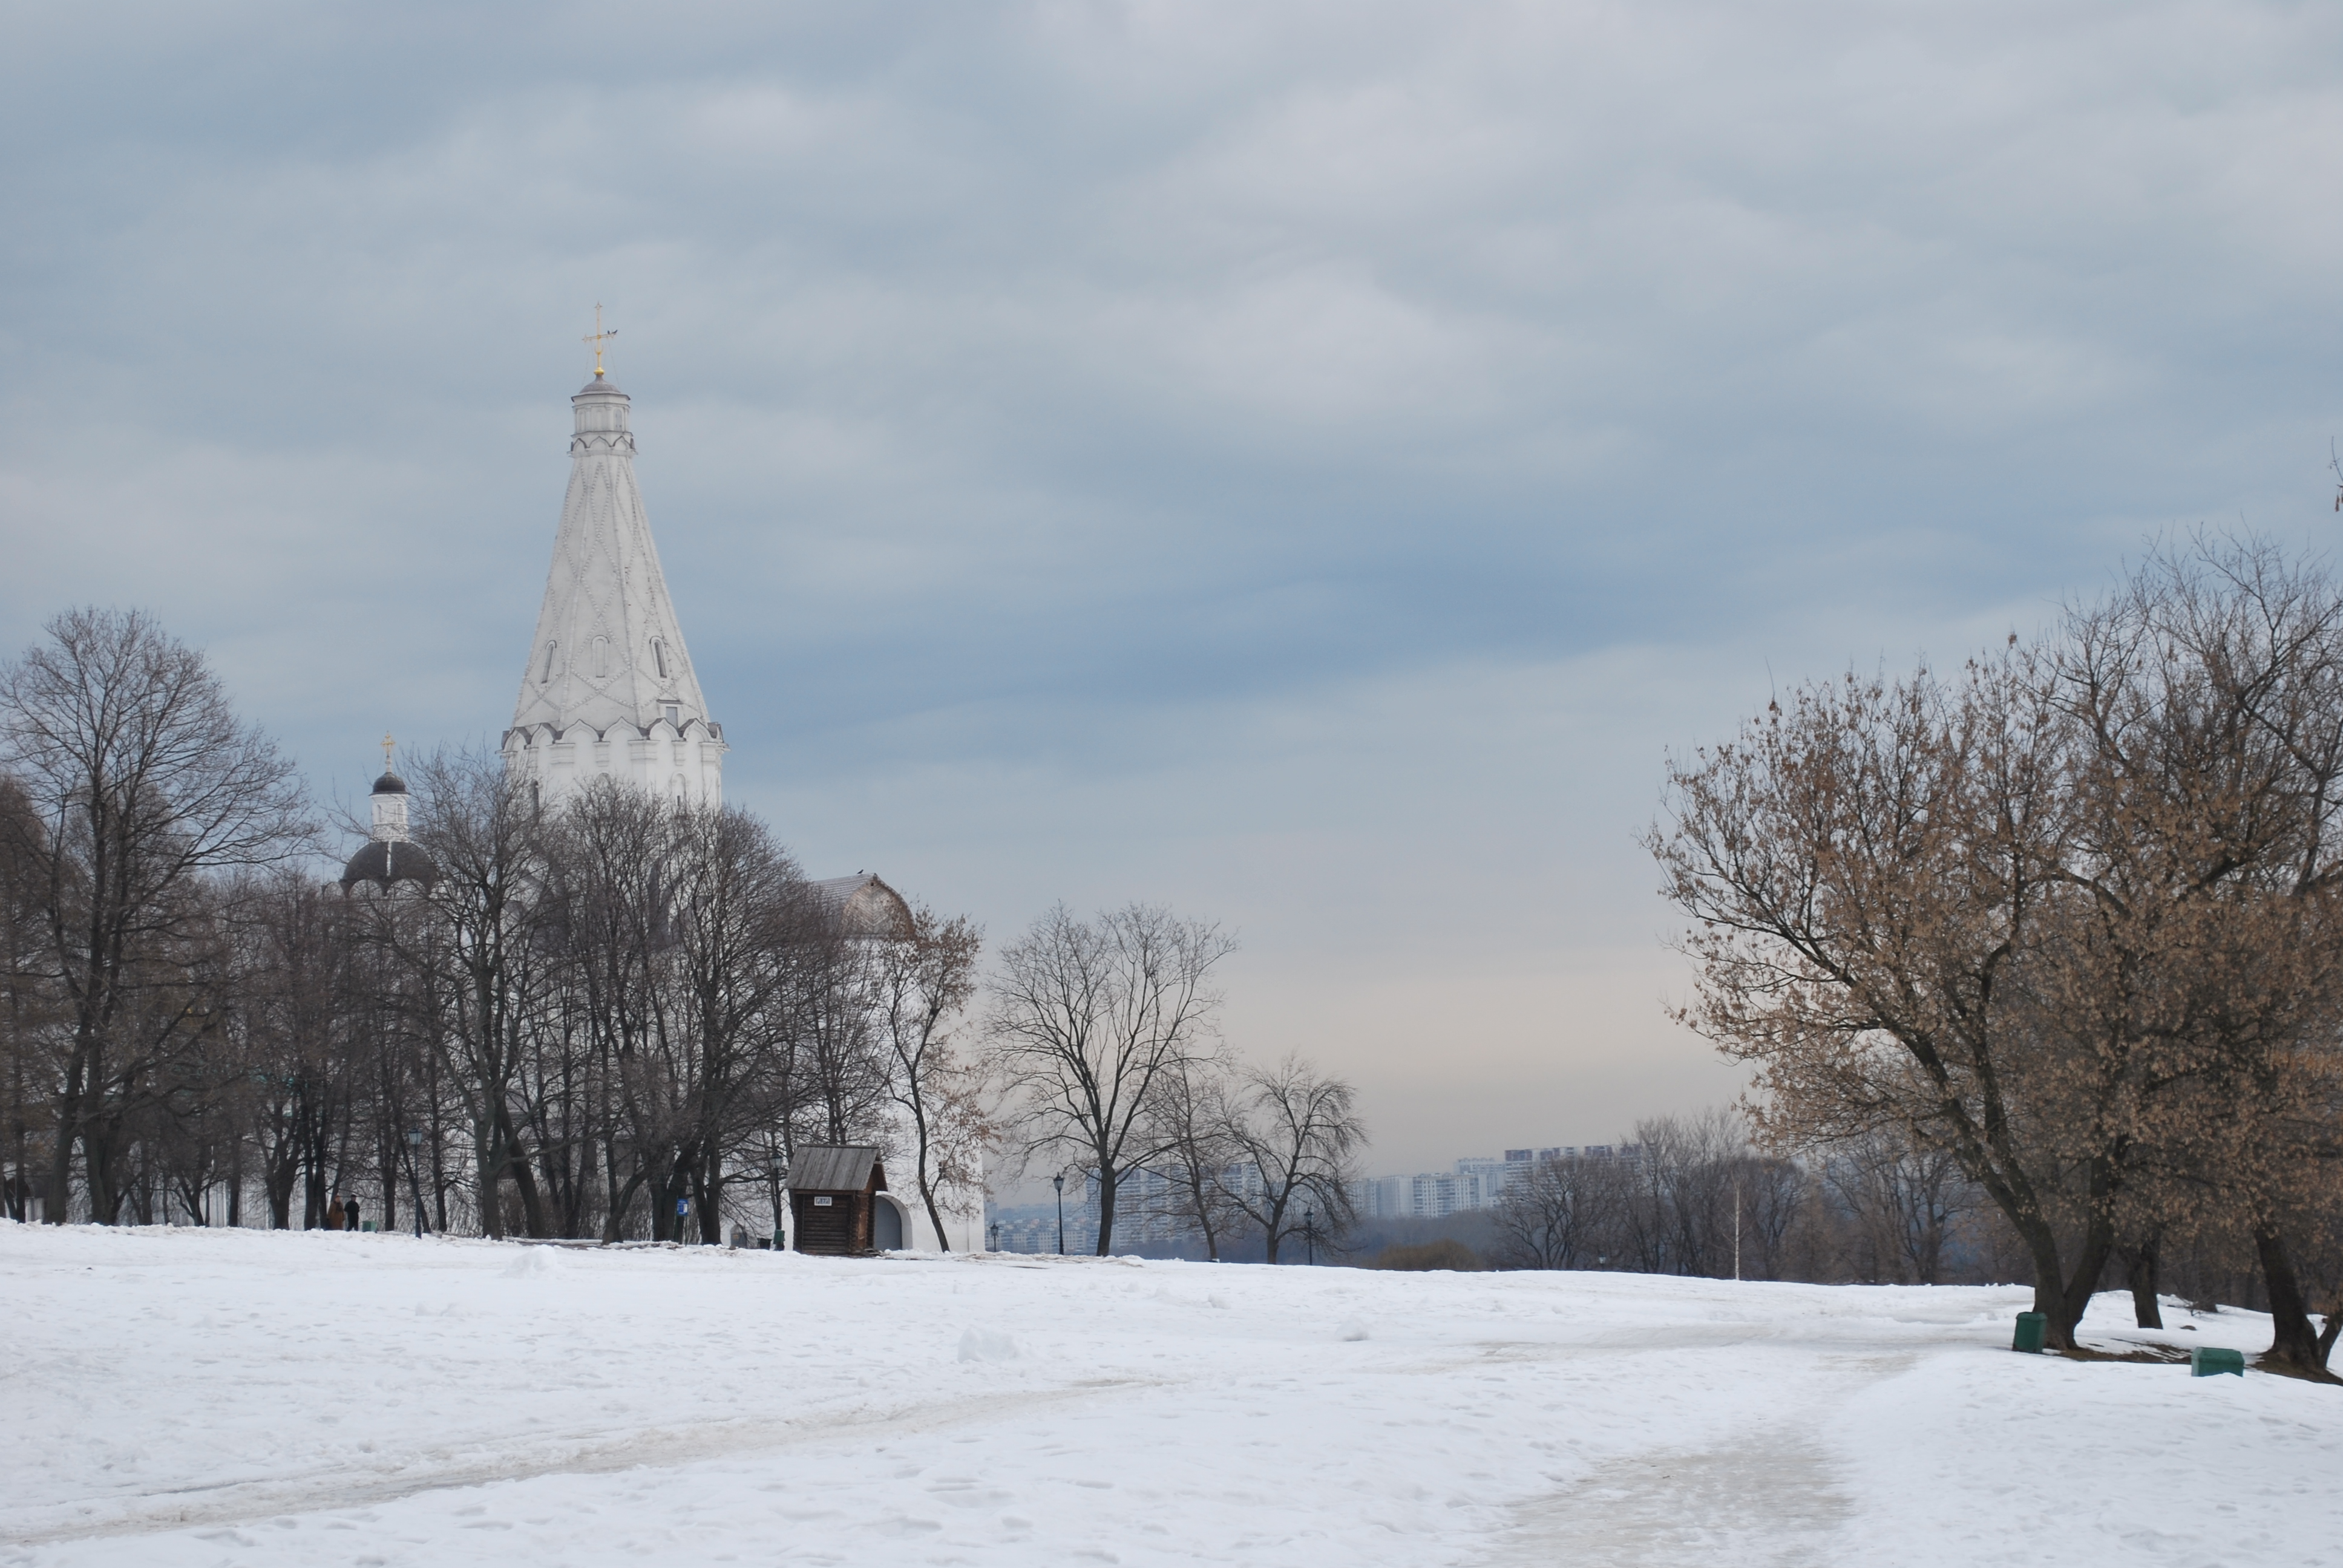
1477	1181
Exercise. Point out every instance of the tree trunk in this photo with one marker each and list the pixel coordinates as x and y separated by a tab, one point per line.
532	1200
1106	1206
506	1155
2062	1300
2140	1271
277	1180
1269	1233
935	1214
489	1163
69	1109
2292	1340
707	1180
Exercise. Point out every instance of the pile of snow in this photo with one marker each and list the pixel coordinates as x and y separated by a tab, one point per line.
987	1345
191	1397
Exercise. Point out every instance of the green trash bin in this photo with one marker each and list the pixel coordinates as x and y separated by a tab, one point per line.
2031	1327
2212	1361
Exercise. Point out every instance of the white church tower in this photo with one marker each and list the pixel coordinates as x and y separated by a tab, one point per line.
610	688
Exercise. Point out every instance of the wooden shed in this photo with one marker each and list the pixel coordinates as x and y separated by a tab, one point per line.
833	1192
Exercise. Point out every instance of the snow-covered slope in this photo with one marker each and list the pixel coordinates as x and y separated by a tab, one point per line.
191	1397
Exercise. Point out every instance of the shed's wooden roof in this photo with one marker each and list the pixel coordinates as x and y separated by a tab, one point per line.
832	1170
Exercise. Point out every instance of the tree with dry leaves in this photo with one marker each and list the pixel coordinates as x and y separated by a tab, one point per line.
2067	916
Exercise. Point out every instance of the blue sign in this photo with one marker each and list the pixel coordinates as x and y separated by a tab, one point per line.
682	1206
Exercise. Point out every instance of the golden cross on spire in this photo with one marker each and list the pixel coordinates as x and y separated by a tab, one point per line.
386	750
598	337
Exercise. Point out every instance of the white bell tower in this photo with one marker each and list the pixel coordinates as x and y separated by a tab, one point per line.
609	690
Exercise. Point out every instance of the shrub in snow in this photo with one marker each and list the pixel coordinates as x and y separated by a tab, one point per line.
1445	1253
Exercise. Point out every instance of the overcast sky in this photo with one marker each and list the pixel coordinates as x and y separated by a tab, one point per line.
1305	464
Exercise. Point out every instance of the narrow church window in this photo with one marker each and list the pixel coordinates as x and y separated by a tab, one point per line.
674	716
659	654
601	657
550	649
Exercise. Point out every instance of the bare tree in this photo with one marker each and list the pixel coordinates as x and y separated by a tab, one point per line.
1562	1214
1907	1202
487	959
842	1069
1091	1020
739	911
1299	1131
1190	1120
28	1025
925	982
1686	1168
142	781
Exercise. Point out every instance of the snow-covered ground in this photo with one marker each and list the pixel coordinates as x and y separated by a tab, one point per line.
193	1397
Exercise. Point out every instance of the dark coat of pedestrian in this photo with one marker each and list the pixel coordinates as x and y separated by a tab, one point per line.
350	1215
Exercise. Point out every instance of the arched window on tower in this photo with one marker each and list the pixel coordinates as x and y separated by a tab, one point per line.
659	654
551	649
601	657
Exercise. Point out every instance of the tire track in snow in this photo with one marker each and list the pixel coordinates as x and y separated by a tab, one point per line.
1768	1496
244	1501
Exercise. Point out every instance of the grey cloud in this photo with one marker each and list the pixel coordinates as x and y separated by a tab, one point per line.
1091	430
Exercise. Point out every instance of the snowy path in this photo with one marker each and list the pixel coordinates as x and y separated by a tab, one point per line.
177	1397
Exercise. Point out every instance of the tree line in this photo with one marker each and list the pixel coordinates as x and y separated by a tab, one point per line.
1696	1196
2068	918
618	1017
1103	1040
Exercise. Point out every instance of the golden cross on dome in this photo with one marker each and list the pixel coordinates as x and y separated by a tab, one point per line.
598	337
386	750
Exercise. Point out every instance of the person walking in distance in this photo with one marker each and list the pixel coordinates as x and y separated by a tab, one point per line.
334	1213
350	1215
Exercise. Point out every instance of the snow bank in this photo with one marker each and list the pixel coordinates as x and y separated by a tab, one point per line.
188	1397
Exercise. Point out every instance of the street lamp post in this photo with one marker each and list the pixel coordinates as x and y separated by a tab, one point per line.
996	1237
414	1177
1058	1181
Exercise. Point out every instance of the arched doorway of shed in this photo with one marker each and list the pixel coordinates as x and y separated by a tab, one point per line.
886	1223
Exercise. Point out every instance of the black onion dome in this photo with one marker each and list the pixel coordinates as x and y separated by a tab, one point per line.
390	784
386	862
600	384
